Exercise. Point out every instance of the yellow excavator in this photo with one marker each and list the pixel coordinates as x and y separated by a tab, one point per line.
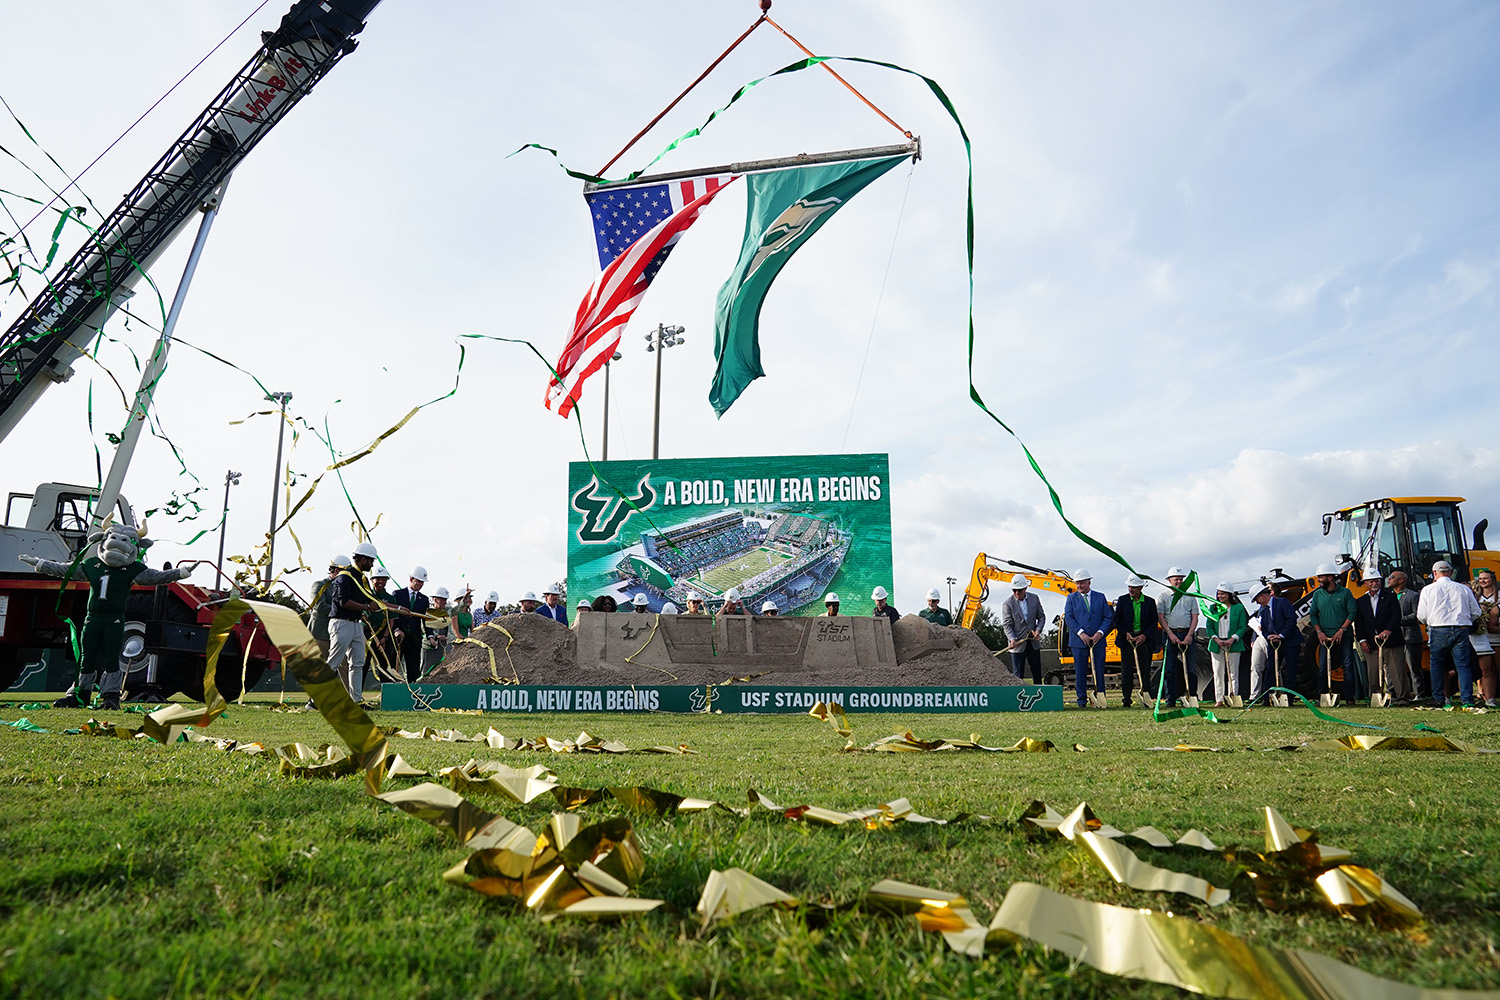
1054	581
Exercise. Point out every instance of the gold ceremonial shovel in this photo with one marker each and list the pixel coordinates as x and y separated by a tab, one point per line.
1278	699
1187	700
1232	682
1328	699
1383	699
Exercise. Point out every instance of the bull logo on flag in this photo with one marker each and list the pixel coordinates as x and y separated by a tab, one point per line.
599	526
790	226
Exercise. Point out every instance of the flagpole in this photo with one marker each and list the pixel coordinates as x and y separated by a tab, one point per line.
912	149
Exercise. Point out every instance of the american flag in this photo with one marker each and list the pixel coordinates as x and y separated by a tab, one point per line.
635	229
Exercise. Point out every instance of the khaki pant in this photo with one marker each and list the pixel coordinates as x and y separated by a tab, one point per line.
1392	661
346	653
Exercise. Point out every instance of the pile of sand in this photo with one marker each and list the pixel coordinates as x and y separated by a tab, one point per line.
539	648
545	652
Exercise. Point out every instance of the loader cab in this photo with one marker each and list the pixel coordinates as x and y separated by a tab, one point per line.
1405	533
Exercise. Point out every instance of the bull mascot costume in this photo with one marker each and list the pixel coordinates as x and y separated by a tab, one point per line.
110	574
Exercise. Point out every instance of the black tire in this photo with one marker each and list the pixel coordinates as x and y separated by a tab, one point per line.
182	671
10	665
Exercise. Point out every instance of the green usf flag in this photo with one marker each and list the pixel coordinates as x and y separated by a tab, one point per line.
784	208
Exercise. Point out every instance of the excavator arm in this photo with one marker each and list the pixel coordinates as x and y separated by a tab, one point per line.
1055	581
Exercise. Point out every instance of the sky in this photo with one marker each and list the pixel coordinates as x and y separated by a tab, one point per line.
1235	266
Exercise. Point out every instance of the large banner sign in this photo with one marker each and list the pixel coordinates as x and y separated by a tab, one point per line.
783	529
732	698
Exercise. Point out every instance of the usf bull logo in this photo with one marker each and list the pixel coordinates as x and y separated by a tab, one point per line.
1026	702
789	227
603	517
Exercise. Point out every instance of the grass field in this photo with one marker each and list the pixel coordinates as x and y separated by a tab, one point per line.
740	569
137	870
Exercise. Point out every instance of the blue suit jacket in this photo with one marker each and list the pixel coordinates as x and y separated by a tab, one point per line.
1279	618
1091	614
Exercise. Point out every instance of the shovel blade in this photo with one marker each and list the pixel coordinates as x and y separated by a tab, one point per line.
1328	701
1380	701
1189	702
1234	701
1280	701
1097	699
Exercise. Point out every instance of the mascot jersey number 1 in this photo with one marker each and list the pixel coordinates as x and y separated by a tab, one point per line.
110	574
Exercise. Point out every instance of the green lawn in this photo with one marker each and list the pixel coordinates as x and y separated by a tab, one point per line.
137	870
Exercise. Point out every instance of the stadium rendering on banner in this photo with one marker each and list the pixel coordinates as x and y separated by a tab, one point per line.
779	529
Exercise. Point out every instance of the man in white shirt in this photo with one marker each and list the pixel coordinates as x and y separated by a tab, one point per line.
1178	616
1448	609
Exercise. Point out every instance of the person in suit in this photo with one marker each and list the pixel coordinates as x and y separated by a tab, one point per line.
1086	618
408	628
1377	626
1277	624
1023	620
1137	633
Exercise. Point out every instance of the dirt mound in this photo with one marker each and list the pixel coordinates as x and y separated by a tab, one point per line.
541	650
545	652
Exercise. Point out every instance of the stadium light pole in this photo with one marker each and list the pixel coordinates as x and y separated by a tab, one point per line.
605	448
283	398
659	340
951	581
231	478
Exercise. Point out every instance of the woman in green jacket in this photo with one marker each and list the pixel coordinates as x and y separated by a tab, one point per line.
1227	623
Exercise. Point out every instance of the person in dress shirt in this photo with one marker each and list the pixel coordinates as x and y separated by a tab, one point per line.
1448	609
1377	626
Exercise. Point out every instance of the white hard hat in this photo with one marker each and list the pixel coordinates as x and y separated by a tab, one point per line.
639	600
342	562
493	598
1256	589
1175	571
1082	574
694	597
441	592
366	549
768	606
1019	582
1442	566
732	594
934	594
1326	569
1373	573
1134	581
381	573
530	595
830	598
879	594
419	573
551	588
583	602
1227	588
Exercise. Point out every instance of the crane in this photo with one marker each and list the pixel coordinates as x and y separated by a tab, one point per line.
40	346
168	631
